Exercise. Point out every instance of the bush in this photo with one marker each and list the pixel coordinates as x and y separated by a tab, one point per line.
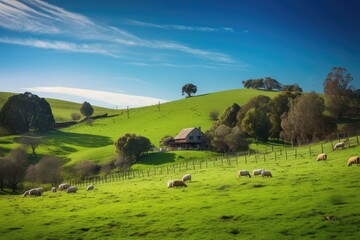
75	116
214	115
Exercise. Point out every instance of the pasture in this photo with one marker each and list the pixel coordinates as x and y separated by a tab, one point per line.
215	205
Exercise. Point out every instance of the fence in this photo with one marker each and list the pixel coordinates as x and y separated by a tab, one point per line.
264	155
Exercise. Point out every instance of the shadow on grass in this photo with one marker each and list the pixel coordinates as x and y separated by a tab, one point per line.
157	158
59	138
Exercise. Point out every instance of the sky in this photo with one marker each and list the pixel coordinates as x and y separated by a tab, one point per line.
138	53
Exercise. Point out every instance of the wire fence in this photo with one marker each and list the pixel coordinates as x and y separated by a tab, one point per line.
262	155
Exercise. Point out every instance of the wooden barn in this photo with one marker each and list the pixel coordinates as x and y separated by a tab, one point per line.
189	139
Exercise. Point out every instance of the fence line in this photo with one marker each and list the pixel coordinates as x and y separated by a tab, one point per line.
259	156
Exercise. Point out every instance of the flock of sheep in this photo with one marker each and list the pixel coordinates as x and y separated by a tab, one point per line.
62	187
352	160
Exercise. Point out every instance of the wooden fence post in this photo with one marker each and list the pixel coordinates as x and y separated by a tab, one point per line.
275	155
309	151
286	155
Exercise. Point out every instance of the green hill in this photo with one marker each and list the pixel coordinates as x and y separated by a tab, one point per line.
95	142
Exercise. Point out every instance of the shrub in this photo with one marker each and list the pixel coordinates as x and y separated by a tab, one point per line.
75	116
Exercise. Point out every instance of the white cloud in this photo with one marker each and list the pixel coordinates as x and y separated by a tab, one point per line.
179	27
110	98
39	17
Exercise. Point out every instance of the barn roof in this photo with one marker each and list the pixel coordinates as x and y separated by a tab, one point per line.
184	133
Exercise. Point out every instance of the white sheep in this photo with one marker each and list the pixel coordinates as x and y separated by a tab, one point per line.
26	193
90	187
257	172
244	173
64	186
53	189
35	192
186	177
71	189
176	183
266	173
321	156
41	190
339	145
353	160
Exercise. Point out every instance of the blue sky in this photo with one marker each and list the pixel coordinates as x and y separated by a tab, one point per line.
136	53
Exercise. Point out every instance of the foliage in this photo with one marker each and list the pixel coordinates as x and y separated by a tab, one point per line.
257	102
29	139
189	89
256	124
305	121
86	109
338	92
24	112
47	170
268	83
85	169
166	141
292	88
130	147
214	115
228	118
75	116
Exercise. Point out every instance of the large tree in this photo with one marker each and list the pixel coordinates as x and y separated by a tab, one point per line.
24	112
189	89
305	121
228	118
47	170
86	109
338	91
130	147
256	123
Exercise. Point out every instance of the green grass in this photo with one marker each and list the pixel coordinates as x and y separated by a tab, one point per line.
215	205
96	142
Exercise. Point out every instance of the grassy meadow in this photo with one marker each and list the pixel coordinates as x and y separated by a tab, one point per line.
215	205
96	142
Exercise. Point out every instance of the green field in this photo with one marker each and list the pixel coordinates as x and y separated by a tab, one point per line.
96	142
215	205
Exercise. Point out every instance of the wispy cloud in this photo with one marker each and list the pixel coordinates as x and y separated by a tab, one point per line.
111	98
179	27
58	45
39	17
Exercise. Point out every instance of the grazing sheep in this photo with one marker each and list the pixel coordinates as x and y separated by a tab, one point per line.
41	190
244	173
177	183
186	177
53	189
90	187
64	186
26	193
353	160
35	192
321	156
169	183
339	145
71	189
257	172
266	173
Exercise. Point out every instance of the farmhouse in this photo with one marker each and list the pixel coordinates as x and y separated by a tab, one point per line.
189	138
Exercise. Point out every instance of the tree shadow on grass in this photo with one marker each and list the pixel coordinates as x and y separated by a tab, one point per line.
59	138
157	158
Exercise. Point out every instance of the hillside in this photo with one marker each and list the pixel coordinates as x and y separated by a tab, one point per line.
85	142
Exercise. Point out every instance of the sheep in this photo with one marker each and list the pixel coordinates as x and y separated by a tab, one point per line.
71	189
257	172
186	177
26	193
90	187
169	183
35	192
41	190
53	189
339	145
64	186
353	160
176	183
321	156
244	173
266	173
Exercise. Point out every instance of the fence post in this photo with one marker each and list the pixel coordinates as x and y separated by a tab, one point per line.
286	155
245	160
295	153
322	148
264	157
193	164
310	151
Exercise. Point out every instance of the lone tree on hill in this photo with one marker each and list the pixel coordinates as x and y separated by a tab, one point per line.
29	140
24	112
189	89
86	109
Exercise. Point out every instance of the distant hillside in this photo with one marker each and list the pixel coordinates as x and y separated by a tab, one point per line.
96	142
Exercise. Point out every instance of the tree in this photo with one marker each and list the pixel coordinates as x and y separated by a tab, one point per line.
24	112
166	141
86	109
305	120
228	118
29	140
130	147
271	84
260	101
47	170
292	88
75	116
338	91
85	169
214	115
256	124
189	89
